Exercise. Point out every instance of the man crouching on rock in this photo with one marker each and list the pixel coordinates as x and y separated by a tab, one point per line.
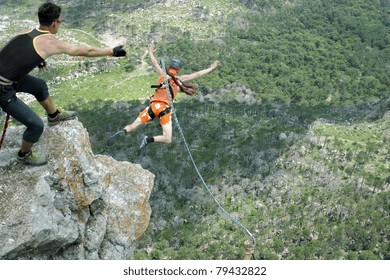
21	55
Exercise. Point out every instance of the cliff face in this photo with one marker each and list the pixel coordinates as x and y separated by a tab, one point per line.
78	206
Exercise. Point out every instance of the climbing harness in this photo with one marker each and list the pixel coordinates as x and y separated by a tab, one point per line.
4	129
186	88
162	113
192	91
161	86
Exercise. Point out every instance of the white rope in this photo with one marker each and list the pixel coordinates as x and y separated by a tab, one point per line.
193	161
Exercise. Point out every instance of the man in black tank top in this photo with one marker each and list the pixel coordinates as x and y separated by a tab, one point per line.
22	54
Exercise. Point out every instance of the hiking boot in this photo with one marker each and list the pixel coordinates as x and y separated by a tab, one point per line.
116	137
144	142
62	116
33	159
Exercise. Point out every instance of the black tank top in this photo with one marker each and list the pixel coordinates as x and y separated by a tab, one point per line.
19	56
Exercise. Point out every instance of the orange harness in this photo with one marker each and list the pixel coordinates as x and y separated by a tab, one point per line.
186	88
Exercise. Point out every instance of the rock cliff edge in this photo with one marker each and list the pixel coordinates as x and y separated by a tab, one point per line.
78	206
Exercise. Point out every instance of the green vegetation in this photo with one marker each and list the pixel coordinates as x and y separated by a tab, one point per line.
290	132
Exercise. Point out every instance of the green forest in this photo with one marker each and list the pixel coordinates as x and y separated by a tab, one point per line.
291	132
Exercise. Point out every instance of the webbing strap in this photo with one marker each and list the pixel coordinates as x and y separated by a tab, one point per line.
227	214
162	113
163	84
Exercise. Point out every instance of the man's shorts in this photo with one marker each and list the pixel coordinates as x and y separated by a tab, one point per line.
157	108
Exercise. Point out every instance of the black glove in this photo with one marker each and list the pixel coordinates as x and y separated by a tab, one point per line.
118	51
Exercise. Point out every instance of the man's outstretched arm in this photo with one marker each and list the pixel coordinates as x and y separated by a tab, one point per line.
49	45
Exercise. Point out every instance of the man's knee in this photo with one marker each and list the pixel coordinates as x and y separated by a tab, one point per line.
35	86
43	93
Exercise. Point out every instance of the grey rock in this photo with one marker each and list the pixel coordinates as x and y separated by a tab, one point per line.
78	206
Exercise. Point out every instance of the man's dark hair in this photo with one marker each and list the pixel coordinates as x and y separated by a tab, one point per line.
48	13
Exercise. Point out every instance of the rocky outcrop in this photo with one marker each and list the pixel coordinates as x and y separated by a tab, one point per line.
78	206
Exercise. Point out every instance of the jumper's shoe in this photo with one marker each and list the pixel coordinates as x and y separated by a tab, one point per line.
116	137
143	142
33	159
62	116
